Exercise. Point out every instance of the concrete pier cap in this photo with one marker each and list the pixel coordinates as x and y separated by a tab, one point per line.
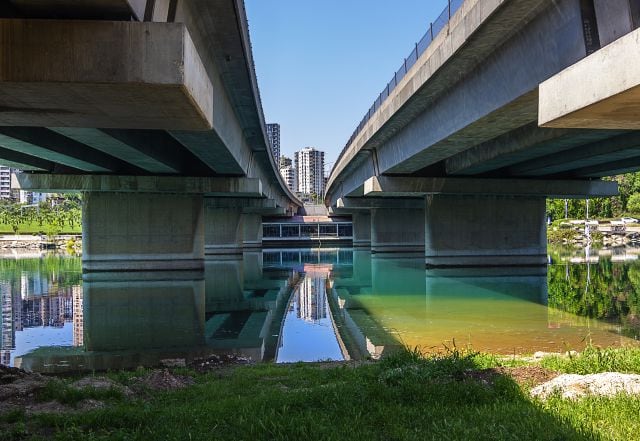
465	222
602	91
145	223
102	74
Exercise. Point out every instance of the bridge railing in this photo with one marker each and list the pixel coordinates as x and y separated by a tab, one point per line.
420	47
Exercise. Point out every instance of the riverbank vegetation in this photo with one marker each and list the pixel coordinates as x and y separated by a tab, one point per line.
627	202
459	395
60	215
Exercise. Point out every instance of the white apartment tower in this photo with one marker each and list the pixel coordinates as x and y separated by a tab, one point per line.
288	172
273	134
5	182
310	167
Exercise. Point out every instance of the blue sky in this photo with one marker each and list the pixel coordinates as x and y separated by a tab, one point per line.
321	64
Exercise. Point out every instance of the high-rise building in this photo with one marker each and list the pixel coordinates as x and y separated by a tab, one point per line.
310	168
288	172
273	134
285	162
5	182
289	175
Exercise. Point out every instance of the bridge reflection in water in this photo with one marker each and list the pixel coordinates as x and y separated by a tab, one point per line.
307	305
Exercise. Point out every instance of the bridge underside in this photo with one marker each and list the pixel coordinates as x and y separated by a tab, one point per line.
151	109
512	103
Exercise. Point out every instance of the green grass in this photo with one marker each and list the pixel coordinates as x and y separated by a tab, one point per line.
404	397
594	360
36	228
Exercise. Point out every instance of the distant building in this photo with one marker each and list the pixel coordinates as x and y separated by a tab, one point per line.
309	164
290	177
285	162
273	134
5	182
288	172
32	197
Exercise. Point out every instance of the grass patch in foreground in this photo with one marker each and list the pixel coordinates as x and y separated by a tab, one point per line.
404	397
595	360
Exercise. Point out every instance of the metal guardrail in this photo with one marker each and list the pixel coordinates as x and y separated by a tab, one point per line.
421	46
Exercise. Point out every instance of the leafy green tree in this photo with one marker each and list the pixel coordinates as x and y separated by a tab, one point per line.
633	203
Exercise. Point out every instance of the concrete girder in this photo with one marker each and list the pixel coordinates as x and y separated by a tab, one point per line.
609	168
212	150
102	141
58	73
603	151
238	187
413	187
519	146
13	159
600	91
86	9
51	146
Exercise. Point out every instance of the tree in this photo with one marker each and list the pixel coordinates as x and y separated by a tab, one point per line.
633	203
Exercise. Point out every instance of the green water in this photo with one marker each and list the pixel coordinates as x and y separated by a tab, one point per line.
562	307
310	305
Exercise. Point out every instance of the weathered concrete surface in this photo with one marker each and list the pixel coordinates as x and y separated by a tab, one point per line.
237	187
361	221
415	187
397	230
102	74
615	19
601	91
223	232
252	230
485	231
142	231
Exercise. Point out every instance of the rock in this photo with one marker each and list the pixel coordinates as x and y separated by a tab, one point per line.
22	387
165	380
571	386
101	383
173	362
90	404
16	382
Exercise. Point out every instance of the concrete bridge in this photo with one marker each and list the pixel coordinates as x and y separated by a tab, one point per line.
152	109
502	104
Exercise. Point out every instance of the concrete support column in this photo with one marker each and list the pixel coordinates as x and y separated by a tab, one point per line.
397	230
142	231
252	226
223	232
361	229
485	231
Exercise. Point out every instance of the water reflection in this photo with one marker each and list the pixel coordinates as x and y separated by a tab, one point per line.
309	332
305	305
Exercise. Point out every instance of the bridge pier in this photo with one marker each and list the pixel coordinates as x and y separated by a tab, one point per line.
223	230
142	231
361	221
252	234
479	230
396	230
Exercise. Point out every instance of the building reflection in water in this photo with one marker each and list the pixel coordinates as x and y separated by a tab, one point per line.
294	305
41	304
308	331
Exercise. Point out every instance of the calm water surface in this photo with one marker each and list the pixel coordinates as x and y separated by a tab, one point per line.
307	305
